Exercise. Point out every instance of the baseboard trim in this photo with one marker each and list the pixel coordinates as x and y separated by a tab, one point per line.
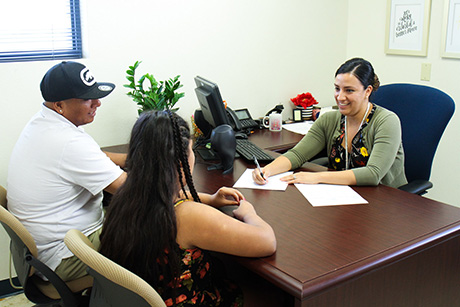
6	289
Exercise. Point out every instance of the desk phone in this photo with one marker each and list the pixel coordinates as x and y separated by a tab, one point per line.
245	119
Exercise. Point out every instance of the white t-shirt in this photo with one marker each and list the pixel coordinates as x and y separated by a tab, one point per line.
56	176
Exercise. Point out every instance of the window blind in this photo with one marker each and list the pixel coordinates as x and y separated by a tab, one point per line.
32	30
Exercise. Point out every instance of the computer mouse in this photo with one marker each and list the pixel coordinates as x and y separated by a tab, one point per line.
241	135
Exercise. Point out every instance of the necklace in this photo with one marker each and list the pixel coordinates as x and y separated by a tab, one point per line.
346	134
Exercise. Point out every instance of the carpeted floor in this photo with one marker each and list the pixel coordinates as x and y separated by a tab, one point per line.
18	300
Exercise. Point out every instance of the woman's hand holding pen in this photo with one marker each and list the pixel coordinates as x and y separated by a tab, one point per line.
279	165
260	176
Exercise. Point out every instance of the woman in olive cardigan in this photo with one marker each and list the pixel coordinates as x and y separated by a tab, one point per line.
362	140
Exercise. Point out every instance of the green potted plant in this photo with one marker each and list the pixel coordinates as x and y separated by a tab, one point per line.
152	95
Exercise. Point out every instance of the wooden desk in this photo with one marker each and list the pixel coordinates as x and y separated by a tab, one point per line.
399	250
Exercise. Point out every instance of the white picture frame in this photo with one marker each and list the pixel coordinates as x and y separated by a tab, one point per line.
451	30
407	27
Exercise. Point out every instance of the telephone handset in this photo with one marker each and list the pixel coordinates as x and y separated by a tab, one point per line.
277	109
233	119
240	119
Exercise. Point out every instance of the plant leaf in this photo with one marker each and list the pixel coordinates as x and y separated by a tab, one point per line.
158	95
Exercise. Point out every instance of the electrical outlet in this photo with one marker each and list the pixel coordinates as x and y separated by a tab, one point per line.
426	72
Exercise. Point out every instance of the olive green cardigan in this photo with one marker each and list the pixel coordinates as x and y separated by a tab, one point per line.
381	137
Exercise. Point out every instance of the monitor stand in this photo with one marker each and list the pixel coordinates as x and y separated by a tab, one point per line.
207	154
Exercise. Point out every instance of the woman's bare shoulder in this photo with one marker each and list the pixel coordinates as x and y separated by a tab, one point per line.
190	209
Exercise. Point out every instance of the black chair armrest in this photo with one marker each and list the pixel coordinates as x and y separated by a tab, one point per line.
67	296
418	187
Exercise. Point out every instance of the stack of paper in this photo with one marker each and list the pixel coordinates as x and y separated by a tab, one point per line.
300	127
329	194
274	182
316	194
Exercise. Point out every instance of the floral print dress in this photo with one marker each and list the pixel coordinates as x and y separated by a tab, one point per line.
200	284
359	154
202	281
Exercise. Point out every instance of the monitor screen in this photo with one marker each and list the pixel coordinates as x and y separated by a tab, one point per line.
211	102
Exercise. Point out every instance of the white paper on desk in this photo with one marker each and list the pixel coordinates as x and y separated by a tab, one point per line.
330	194
301	128
273	182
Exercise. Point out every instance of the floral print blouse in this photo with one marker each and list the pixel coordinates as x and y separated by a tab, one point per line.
358	156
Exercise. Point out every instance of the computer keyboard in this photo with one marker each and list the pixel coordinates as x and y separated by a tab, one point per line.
248	150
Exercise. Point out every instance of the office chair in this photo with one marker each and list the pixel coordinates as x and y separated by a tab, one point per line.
3	197
113	284
24	254
424	113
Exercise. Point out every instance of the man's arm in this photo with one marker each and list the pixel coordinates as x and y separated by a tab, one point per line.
113	187
117	158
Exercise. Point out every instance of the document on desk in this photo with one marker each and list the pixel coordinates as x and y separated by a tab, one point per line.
301	127
273	183
330	194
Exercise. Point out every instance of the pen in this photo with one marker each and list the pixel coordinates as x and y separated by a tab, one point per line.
258	166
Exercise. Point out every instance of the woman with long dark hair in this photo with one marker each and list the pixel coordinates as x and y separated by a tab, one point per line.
160	228
362	140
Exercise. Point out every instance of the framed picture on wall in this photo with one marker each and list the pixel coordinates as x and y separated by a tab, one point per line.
451	30
407	27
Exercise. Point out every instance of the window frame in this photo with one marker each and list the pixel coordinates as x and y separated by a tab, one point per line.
75	37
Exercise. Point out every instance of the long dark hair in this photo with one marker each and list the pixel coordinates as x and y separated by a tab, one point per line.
362	70
140	229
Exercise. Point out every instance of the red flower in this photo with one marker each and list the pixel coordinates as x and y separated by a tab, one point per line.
194	299
202	273
204	270
181	298
186	275
196	254
305	100
186	260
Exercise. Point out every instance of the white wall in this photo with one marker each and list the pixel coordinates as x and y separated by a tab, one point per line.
366	38
260	53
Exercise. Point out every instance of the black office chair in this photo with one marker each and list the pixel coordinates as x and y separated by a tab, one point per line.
424	113
24	253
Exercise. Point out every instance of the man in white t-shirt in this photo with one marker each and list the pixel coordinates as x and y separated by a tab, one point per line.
57	172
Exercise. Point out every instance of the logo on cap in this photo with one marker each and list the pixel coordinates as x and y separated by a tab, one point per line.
87	77
105	88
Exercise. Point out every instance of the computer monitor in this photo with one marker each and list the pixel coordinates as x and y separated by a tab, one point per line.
211	103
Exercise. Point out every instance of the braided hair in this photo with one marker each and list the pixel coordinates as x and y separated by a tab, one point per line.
140	229
181	139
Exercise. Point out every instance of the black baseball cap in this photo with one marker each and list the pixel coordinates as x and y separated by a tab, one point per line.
69	79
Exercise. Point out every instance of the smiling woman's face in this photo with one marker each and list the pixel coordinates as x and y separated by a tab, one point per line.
350	95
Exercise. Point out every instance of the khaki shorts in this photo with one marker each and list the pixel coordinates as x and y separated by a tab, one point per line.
72	268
